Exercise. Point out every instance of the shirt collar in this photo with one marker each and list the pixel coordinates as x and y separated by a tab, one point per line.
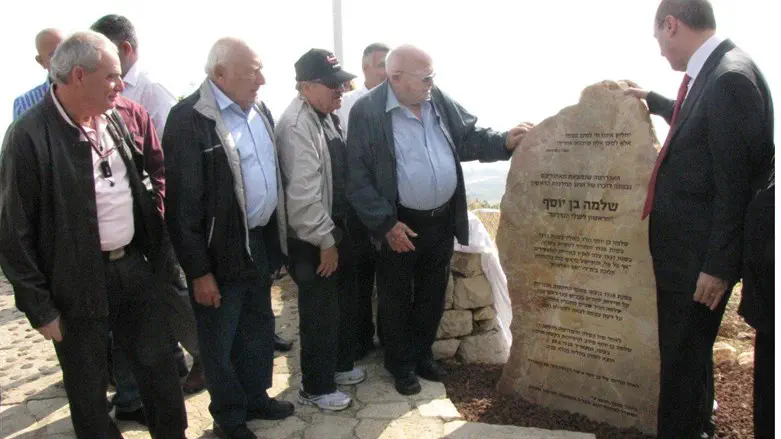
697	61
223	101
132	75
392	101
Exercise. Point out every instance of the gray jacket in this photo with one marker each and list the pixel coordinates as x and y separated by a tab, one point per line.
305	164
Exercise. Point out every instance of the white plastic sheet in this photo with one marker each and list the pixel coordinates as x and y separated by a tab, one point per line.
480	242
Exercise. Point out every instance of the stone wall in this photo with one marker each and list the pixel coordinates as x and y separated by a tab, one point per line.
469	329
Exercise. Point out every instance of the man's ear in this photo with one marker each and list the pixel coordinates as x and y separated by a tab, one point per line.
125	48
39	61
77	74
670	25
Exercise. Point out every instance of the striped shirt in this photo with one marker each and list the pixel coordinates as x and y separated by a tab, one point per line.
27	100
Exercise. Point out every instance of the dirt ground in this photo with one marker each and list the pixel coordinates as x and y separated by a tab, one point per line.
472	390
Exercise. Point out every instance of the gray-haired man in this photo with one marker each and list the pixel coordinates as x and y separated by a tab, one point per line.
84	255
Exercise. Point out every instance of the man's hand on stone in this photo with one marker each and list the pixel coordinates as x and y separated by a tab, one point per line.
206	292
52	330
329	261
398	237
710	290
516	134
635	90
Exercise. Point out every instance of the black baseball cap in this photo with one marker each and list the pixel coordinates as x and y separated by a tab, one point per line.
321	65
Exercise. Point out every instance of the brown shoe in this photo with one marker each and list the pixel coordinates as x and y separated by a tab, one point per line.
195	381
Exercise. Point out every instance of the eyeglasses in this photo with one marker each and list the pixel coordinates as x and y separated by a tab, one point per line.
427	79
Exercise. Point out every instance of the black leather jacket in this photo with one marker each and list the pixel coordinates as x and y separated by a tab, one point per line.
49	241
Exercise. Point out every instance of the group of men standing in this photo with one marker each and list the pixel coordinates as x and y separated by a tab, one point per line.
235	198
338	191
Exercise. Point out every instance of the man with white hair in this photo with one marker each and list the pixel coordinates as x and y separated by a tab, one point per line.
46	41
82	243
405	144
226	216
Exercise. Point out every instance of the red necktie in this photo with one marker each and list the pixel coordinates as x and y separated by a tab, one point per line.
649	199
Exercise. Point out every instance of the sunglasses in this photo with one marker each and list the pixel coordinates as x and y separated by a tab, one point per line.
331	86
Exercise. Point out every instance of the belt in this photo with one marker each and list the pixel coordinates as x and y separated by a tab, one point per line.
115	255
433	213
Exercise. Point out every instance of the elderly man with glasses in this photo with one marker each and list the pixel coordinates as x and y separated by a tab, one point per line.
405	144
313	160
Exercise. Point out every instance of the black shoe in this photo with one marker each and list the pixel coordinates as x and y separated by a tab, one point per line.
134	416
431	370
109	405
282	345
274	409
407	383
237	432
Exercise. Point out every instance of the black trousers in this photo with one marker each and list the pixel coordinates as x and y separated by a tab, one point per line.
411	288
364	267
764	385
326	307
236	342
136	320
687	331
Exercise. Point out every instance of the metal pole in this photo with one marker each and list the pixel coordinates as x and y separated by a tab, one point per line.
338	46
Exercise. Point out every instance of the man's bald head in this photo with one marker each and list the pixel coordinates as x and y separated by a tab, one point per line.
226	51
406	58
46	41
236	70
410	74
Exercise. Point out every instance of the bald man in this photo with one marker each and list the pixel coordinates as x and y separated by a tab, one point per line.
405	144
46	41
226	216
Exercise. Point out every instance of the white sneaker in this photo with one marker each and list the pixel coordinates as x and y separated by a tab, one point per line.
330	401
349	378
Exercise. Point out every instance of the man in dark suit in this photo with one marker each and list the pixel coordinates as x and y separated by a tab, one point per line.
757	301
721	137
405	144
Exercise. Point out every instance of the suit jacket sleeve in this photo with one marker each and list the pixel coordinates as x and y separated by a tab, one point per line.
19	205
302	167
374	211
185	214
660	106
736	120
477	143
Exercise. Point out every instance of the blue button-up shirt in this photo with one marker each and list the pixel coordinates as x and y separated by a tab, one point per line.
27	100
425	164
258	161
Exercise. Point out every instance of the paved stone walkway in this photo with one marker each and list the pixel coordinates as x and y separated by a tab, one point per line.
33	402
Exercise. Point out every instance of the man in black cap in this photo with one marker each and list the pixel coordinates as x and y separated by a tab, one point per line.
312	158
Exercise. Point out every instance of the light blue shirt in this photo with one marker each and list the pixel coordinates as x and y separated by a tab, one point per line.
27	100
258	161
425	164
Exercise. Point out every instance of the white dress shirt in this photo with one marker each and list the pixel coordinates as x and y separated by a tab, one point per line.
155	98
697	61
112	195
347	103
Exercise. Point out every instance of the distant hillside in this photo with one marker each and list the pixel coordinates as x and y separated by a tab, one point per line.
486	181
